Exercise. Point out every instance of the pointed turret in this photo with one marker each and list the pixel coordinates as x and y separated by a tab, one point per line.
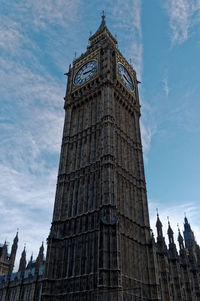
22	264
170	234
4	251
160	238
101	33
40	259
103	23
180	240
172	246
159	226
13	255
188	234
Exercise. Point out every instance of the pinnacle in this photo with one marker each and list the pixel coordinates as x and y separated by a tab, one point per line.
103	23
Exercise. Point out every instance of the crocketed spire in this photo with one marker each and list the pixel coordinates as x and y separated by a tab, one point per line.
188	234
16	239
101	33
22	264
103	22
13	255
180	240
172	246
40	258
159	226
170	234
161	245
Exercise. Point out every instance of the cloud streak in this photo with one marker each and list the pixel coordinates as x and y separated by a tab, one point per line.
183	15
130	23
31	117
166	88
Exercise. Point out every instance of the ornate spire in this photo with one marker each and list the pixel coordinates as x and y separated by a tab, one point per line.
16	239
22	264
101	33
13	254
172	246
188	234
159	226
170	234
40	258
161	245
103	22
180	240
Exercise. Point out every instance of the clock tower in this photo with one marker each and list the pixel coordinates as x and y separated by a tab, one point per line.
100	245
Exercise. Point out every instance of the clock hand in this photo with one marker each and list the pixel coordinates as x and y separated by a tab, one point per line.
88	71
127	79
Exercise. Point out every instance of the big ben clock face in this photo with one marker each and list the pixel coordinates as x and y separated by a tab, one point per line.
125	77
85	73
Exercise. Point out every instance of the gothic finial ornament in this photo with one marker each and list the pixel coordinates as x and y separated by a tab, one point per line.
103	15
103	22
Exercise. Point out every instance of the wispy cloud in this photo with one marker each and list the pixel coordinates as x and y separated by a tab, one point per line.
182	16
9	34
128	15
21	82
147	133
166	88
148	127
42	14
31	116
47	12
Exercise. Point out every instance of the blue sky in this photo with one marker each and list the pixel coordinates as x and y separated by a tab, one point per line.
38	40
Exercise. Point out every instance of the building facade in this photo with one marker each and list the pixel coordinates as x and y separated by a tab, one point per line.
100	225
100	245
26	283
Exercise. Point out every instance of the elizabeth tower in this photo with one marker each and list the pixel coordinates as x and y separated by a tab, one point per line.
100	245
